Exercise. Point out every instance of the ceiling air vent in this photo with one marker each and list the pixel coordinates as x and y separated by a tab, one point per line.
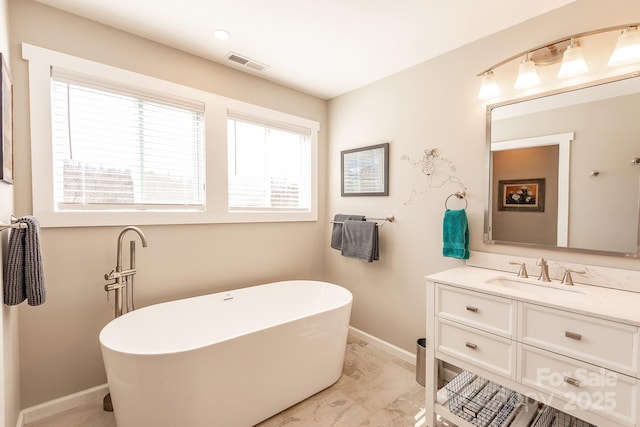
246	62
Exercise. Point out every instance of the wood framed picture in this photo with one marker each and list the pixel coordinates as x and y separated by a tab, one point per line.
6	124
365	171
521	195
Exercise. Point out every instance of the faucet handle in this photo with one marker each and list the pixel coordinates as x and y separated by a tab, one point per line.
522	271
567	279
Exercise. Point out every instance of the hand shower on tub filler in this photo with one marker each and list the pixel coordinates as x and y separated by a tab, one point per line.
122	284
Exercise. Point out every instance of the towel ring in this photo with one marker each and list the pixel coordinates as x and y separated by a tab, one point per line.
459	195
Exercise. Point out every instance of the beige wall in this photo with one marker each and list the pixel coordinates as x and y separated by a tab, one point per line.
430	105
9	355
59	347
434	105
607	146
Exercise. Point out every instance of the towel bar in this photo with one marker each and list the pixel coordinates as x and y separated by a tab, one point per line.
13	224
388	218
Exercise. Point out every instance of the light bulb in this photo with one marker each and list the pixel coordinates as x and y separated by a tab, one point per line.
489	87
572	61
627	48
527	75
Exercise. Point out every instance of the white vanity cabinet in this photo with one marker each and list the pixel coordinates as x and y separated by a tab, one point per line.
561	350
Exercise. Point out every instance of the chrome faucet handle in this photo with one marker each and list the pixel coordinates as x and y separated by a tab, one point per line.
567	279
544	270
522	271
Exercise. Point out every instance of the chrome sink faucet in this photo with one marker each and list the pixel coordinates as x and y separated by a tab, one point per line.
544	270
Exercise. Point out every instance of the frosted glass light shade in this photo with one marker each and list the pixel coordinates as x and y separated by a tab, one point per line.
572	62
489	87
627	48
527	75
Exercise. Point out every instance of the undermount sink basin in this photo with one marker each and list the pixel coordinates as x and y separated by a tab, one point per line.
533	285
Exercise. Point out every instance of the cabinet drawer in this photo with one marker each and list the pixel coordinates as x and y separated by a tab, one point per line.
605	343
582	386
485	350
490	313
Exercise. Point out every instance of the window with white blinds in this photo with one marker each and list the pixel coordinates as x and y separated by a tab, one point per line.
269	166
115	149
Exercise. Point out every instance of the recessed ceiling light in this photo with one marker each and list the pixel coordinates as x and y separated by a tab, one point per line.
221	34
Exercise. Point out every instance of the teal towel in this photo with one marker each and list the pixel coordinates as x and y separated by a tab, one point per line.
455	234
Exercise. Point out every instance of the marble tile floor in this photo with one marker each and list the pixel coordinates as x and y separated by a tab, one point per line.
375	390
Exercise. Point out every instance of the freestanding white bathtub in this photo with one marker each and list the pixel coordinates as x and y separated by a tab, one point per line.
226	359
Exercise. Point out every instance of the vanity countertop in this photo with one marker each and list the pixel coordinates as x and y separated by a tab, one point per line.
606	303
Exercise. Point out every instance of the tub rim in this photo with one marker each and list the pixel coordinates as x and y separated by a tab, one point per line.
185	349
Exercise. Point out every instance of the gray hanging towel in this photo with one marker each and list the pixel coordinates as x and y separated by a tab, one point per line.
336	232
24	275
360	240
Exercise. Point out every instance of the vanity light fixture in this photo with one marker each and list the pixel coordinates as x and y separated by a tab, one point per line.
527	74
489	87
573	63
568	49
627	48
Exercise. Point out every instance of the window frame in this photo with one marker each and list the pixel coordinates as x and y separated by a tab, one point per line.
217	108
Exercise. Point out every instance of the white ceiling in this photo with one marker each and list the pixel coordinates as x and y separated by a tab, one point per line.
323	47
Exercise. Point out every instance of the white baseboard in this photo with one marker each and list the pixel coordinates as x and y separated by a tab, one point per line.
384	346
52	407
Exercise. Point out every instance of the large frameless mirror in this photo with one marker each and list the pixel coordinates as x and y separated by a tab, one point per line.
564	170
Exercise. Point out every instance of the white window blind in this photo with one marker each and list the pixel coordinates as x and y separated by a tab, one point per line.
113	147
269	166
117	149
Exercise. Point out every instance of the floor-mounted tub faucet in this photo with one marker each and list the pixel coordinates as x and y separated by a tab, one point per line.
121	278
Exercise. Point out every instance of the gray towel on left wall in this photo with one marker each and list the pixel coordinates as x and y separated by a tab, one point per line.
24	274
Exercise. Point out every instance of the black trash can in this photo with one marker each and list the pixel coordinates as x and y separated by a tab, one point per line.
420	361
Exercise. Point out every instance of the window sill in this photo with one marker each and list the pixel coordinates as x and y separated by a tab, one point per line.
123	218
